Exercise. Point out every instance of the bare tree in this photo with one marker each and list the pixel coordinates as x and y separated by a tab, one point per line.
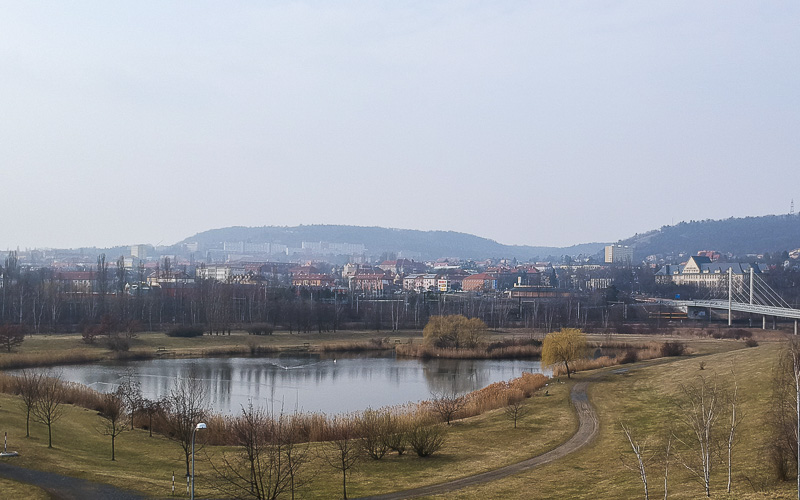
699	410
49	405
131	394
11	336
667	454
344	450
735	418
28	385
151	408
113	414
448	405
186	406
639	451
516	408
267	461
794	348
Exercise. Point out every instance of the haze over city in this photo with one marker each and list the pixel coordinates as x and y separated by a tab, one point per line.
541	124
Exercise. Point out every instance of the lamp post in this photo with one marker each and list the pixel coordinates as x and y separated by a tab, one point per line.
201	425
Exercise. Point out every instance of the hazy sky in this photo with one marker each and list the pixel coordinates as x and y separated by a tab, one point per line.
544	123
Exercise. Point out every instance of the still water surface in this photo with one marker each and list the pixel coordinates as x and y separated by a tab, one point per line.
311	383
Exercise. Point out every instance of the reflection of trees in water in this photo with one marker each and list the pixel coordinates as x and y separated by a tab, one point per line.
447	376
288	381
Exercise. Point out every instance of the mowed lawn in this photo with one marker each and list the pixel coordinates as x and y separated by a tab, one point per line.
643	398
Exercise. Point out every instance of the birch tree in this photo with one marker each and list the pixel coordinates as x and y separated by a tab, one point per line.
640	464
699	411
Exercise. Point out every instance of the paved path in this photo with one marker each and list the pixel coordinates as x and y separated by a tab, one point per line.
64	487
587	430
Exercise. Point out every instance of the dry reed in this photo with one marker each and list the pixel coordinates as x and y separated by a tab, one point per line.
427	352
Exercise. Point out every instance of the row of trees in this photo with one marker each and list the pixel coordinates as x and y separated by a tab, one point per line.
702	435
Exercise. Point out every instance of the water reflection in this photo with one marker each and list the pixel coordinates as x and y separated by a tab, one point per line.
309	382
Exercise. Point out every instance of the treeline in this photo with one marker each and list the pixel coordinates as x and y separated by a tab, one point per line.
41	303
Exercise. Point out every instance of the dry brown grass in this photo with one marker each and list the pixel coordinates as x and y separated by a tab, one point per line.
499	394
50	358
427	352
650	350
374	344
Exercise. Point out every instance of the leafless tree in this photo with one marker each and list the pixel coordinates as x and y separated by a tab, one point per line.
131	394
113	414
735	417
640	451
186	406
28	385
667	455
448	405
49	405
794	349
151	408
344	450
11	336
699	409
516	408
268	459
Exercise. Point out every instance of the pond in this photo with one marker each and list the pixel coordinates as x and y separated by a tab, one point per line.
308	383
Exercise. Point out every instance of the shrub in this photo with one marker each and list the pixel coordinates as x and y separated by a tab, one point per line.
185	331
673	349
454	331
630	356
118	344
259	329
375	426
426	439
736	334
503	344
751	343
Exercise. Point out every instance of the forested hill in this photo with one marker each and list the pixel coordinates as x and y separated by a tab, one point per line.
748	235
378	240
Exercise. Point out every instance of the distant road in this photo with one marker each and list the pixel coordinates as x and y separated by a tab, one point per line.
587	429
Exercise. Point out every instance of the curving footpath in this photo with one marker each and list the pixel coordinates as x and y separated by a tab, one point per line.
587	430
61	487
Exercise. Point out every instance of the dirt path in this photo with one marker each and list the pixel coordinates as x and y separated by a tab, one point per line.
587	430
65	487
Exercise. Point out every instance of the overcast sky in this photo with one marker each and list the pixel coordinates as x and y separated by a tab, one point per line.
542	123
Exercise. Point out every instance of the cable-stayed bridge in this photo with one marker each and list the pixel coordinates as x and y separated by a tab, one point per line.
745	295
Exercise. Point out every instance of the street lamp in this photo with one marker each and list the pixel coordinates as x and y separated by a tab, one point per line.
201	425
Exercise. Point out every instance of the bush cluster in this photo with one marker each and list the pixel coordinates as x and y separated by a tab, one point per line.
736	334
454	331
673	349
502	344
185	331
259	329
630	356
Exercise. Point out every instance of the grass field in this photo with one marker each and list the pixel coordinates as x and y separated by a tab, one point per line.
642	398
13	489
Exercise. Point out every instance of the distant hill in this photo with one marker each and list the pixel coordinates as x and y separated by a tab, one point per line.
748	235
377	240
